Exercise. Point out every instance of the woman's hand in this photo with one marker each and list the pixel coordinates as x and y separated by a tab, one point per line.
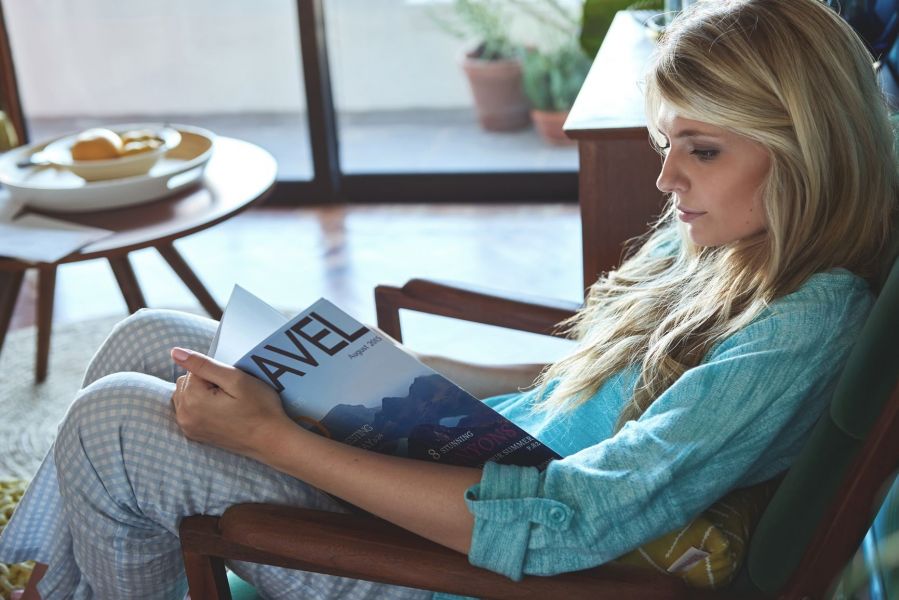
220	405
223	406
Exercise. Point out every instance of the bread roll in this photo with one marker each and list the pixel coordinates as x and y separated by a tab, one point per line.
138	135
140	146
97	144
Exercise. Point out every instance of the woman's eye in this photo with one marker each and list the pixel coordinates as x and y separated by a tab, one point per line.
704	154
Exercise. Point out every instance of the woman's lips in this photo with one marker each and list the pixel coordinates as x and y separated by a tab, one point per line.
686	215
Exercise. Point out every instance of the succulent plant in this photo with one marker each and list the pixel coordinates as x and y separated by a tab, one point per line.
552	79
484	21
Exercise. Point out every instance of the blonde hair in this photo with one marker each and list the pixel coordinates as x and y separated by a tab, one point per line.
794	77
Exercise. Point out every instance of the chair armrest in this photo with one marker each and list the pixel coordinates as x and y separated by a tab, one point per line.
364	547
478	305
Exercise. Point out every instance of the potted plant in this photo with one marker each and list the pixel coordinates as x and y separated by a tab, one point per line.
555	72
552	80
493	67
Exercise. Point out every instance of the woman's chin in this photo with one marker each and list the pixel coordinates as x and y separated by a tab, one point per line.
697	237
704	240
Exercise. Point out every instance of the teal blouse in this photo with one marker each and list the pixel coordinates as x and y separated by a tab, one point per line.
738	418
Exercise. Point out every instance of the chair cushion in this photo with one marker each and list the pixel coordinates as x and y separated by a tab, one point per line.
709	551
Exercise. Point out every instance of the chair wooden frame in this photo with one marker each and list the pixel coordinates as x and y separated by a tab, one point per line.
365	547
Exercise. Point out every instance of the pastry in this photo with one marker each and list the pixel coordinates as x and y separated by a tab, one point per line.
97	144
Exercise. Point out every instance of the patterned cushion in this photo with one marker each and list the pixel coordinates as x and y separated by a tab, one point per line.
12	576
709	551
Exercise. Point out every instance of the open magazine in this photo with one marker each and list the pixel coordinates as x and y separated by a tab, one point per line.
348	382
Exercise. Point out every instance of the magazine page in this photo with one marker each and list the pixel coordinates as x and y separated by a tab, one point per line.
345	381
245	322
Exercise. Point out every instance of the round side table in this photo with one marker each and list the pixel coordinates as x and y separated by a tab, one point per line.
238	175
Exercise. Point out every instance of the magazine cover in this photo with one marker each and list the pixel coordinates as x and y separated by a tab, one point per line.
348	382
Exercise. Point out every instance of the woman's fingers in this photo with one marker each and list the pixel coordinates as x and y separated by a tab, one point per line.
208	369
219	405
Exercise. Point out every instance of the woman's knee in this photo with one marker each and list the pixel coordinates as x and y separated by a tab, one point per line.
139	324
106	413
112	420
141	343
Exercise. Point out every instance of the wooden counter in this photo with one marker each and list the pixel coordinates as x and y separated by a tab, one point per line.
618	167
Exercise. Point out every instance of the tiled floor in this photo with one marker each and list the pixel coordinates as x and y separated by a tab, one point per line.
292	256
420	141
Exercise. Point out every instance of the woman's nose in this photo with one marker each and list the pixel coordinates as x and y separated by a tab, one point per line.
671	179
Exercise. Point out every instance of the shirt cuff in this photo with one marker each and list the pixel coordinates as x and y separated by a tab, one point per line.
506	506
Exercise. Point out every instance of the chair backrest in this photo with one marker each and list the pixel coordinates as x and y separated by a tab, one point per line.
828	499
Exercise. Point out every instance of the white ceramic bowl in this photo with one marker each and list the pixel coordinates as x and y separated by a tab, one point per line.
59	153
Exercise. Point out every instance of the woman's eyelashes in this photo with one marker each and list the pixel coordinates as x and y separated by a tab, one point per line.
704	154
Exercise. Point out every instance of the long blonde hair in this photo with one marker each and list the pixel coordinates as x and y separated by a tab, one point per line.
794	77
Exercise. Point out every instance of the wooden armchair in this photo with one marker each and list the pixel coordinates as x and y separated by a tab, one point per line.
811	528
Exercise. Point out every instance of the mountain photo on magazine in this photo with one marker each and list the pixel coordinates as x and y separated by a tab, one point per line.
348	382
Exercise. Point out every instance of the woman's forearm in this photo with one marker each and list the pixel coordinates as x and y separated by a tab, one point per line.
423	497
483	381
220	405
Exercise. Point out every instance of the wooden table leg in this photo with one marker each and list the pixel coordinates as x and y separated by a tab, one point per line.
46	292
10	284
124	275
183	270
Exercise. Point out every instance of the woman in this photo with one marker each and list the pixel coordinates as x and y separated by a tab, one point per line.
703	363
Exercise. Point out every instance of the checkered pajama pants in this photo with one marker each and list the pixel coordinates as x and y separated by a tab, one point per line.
104	508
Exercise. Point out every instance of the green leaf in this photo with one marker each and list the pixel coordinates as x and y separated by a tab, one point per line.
552	80
535	79
483	22
597	18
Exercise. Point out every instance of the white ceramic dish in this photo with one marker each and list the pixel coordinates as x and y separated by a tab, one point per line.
52	188
59	152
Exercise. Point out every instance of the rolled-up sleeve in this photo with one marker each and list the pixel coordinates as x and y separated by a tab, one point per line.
505	508
753	400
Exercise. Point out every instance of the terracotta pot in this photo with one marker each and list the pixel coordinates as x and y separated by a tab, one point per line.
498	94
549	124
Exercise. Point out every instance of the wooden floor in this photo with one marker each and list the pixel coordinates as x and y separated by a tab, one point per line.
292	256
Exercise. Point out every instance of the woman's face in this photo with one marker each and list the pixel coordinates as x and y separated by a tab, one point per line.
715	176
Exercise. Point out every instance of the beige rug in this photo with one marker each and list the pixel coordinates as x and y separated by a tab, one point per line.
30	412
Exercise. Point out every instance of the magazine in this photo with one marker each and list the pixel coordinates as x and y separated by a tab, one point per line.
36	239
353	384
